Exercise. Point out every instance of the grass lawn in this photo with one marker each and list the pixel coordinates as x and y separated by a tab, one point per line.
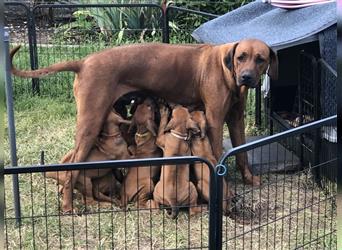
267	217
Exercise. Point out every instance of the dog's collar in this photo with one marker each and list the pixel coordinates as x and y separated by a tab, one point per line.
179	135
117	134
147	133
141	139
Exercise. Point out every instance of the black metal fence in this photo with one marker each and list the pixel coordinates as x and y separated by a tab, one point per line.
292	209
295	207
101	225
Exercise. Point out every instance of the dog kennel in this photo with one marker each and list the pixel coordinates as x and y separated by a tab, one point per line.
305	92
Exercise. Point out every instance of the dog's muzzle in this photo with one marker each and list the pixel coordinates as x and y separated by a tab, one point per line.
247	79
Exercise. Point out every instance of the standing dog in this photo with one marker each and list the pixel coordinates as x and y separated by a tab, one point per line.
139	182
217	76
174	188
93	183
200	146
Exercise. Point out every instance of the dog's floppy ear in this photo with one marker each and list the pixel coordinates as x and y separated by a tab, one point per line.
150	125
273	69
170	125
229	59
192	125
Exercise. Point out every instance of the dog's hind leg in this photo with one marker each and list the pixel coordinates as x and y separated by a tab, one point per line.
93	106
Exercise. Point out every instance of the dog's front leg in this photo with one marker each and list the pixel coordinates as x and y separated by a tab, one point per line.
236	126
215	130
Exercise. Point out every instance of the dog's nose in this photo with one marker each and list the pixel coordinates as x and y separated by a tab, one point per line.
246	77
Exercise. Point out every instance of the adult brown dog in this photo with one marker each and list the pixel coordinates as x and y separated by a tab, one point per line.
214	76
200	146
174	188
139	182
94	183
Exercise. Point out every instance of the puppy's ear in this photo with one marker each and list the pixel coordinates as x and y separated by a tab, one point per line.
229	58
170	125
273	70
192	126
150	125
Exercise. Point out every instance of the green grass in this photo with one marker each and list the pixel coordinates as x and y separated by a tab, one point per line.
49	124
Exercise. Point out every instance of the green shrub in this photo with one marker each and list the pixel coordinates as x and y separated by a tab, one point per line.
112	25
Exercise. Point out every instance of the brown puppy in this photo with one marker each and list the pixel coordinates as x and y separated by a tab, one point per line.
211	75
94	183
174	188
139	182
200	146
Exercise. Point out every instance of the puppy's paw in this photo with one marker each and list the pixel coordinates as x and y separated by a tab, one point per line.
164	111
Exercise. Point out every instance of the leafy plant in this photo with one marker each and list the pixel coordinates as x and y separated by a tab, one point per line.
114	23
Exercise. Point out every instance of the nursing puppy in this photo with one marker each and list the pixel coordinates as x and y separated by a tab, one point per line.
93	183
139	182
174	188
201	147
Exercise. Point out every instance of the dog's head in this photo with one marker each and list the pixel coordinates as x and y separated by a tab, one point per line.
249	59
182	121
144	115
200	119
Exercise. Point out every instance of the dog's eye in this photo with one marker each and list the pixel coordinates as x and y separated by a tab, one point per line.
241	57
259	60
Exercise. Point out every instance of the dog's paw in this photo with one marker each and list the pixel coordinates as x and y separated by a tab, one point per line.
164	110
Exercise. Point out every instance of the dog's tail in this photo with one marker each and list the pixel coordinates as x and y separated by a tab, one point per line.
74	66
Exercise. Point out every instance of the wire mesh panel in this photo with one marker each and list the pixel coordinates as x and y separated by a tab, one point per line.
99	218
292	209
71	32
17	19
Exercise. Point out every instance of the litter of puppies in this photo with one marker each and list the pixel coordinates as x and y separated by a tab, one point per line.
156	129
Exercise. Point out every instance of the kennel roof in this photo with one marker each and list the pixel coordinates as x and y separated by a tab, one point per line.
279	28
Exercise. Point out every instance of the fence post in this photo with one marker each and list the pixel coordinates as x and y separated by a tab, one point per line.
258	106
166	28
215	209
32	37
11	128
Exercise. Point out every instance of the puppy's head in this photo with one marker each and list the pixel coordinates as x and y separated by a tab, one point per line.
144	115
249	59
181	120
200	119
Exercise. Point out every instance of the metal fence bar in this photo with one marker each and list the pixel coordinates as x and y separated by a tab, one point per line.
215	211
166	38
11	128
277	137
106	164
182	9
258	105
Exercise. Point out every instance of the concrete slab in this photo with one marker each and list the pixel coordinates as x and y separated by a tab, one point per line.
269	158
